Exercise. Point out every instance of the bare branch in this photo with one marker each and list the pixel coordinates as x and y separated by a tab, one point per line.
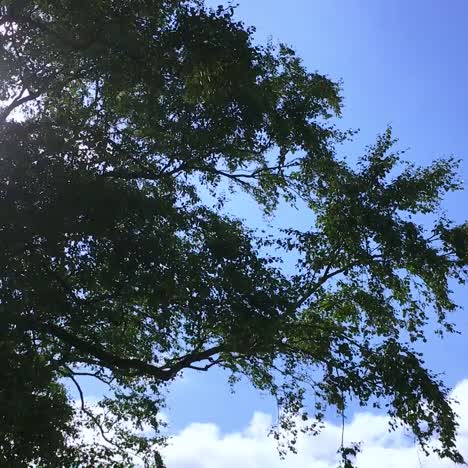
88	412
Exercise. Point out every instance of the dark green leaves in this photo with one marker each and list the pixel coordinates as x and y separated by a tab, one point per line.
121	117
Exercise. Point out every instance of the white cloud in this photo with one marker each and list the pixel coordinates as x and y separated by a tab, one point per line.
205	446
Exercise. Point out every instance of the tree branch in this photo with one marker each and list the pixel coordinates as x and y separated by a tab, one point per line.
18	101
110	360
88	412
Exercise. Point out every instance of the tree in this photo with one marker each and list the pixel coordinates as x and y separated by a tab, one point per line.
121	121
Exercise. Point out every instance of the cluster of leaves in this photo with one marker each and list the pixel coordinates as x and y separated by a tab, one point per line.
117	116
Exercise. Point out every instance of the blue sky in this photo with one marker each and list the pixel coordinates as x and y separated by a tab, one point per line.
402	63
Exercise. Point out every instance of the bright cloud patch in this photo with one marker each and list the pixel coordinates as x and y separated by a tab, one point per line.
204	446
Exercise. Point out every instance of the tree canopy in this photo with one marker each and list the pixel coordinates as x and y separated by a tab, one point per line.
121	121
